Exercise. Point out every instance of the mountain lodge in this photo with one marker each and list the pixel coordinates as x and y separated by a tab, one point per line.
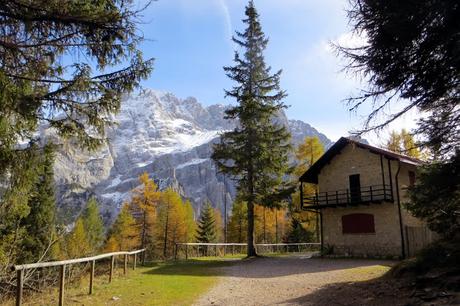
360	191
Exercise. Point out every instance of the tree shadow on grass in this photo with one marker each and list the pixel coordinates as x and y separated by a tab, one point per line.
263	267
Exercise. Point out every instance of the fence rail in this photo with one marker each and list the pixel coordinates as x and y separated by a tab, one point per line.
63	263
222	249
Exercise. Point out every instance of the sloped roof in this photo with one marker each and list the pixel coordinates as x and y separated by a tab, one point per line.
311	175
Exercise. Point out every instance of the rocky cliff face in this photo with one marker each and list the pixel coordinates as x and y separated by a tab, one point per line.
169	138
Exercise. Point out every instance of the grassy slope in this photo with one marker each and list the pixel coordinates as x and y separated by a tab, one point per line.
178	283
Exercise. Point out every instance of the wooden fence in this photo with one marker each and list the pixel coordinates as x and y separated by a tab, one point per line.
62	264
222	249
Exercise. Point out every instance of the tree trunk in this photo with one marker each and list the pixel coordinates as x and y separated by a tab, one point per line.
251	245
144	225
166	232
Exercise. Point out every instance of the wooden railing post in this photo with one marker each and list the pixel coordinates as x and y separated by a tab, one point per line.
91	276
61	285
19	286
186	251
134	261
125	267
112	263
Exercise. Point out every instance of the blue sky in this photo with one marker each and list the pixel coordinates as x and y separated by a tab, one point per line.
190	40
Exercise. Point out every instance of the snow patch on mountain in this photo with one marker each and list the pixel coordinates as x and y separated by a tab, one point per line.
169	138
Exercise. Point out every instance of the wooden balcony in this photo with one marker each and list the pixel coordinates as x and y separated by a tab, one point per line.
343	198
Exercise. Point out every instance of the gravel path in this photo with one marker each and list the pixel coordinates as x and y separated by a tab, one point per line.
299	281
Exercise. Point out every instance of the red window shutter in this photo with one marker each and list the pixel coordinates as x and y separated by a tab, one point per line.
358	224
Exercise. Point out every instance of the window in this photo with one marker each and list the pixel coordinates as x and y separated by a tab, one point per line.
411	178
358	224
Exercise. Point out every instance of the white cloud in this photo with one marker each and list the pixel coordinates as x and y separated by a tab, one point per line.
228	19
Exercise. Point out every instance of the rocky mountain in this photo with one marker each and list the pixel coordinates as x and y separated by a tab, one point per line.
158	133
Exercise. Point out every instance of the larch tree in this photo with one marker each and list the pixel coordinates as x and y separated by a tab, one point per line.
190	221
403	143
256	152
143	207
171	221
123	235
237	225
219	224
77	244
307	153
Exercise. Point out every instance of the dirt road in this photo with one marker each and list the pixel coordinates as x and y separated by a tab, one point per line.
303	281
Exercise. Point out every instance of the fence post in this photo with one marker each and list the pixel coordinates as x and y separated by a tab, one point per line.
233	249
215	250
186	251
61	286
125	267
19	285
91	276
134	262
112	263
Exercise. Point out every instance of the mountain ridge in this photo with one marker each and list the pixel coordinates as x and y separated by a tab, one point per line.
156	132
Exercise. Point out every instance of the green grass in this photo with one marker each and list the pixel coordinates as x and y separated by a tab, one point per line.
174	283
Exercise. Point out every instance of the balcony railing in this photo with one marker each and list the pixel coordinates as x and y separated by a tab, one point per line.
345	197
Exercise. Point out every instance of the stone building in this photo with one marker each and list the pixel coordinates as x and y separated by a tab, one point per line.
360	192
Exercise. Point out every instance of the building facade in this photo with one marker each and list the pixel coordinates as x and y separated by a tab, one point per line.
360	192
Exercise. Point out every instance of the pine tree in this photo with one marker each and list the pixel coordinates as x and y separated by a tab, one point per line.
39	225
411	52
255	153
66	63
94	226
298	233
206	231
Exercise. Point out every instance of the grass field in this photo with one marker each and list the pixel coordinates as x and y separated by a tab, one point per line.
175	283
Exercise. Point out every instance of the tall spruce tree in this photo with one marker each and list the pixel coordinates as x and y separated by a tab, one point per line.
206	231
255	153
39	224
